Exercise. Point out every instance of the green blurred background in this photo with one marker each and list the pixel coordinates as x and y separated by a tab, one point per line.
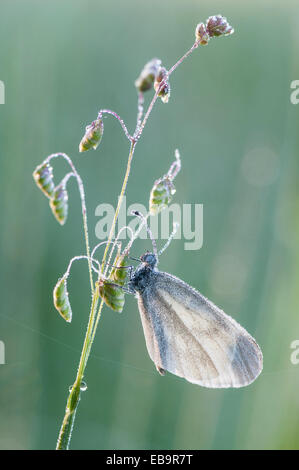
230	115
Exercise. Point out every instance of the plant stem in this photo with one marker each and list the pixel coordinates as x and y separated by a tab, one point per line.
74	396
120	120
94	315
120	200
149	110
83	207
66	429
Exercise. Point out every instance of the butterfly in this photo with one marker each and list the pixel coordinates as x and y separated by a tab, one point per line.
187	335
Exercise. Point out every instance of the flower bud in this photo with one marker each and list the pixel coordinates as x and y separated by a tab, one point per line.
119	273
164	92
201	34
93	135
61	300
163	189
112	295
161	195
43	176
147	77
218	26
59	204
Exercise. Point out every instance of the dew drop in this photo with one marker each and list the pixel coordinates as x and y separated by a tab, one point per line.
83	387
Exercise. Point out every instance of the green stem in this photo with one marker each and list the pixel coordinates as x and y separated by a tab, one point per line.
120	200
83	207
65	433
68	420
74	396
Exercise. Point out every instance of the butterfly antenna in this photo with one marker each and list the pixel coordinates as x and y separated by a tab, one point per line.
174	231
141	216
135	259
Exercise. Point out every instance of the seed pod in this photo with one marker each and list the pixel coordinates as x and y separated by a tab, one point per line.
201	34
61	300
59	204
119	273
148	74
163	189
218	26
164	92
43	176
112	295
161	195
93	135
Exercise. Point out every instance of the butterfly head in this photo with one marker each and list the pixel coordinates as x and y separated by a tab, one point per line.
150	259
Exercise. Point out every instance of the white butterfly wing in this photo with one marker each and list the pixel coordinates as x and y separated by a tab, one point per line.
190	337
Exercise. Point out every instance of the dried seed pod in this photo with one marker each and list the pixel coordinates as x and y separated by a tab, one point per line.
59	204
218	26
93	135
164	92
201	34
112	295
61	300
163	189
119	273
147	76
161	195
43	176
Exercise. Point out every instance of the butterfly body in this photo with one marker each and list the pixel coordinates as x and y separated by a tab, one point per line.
189	336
